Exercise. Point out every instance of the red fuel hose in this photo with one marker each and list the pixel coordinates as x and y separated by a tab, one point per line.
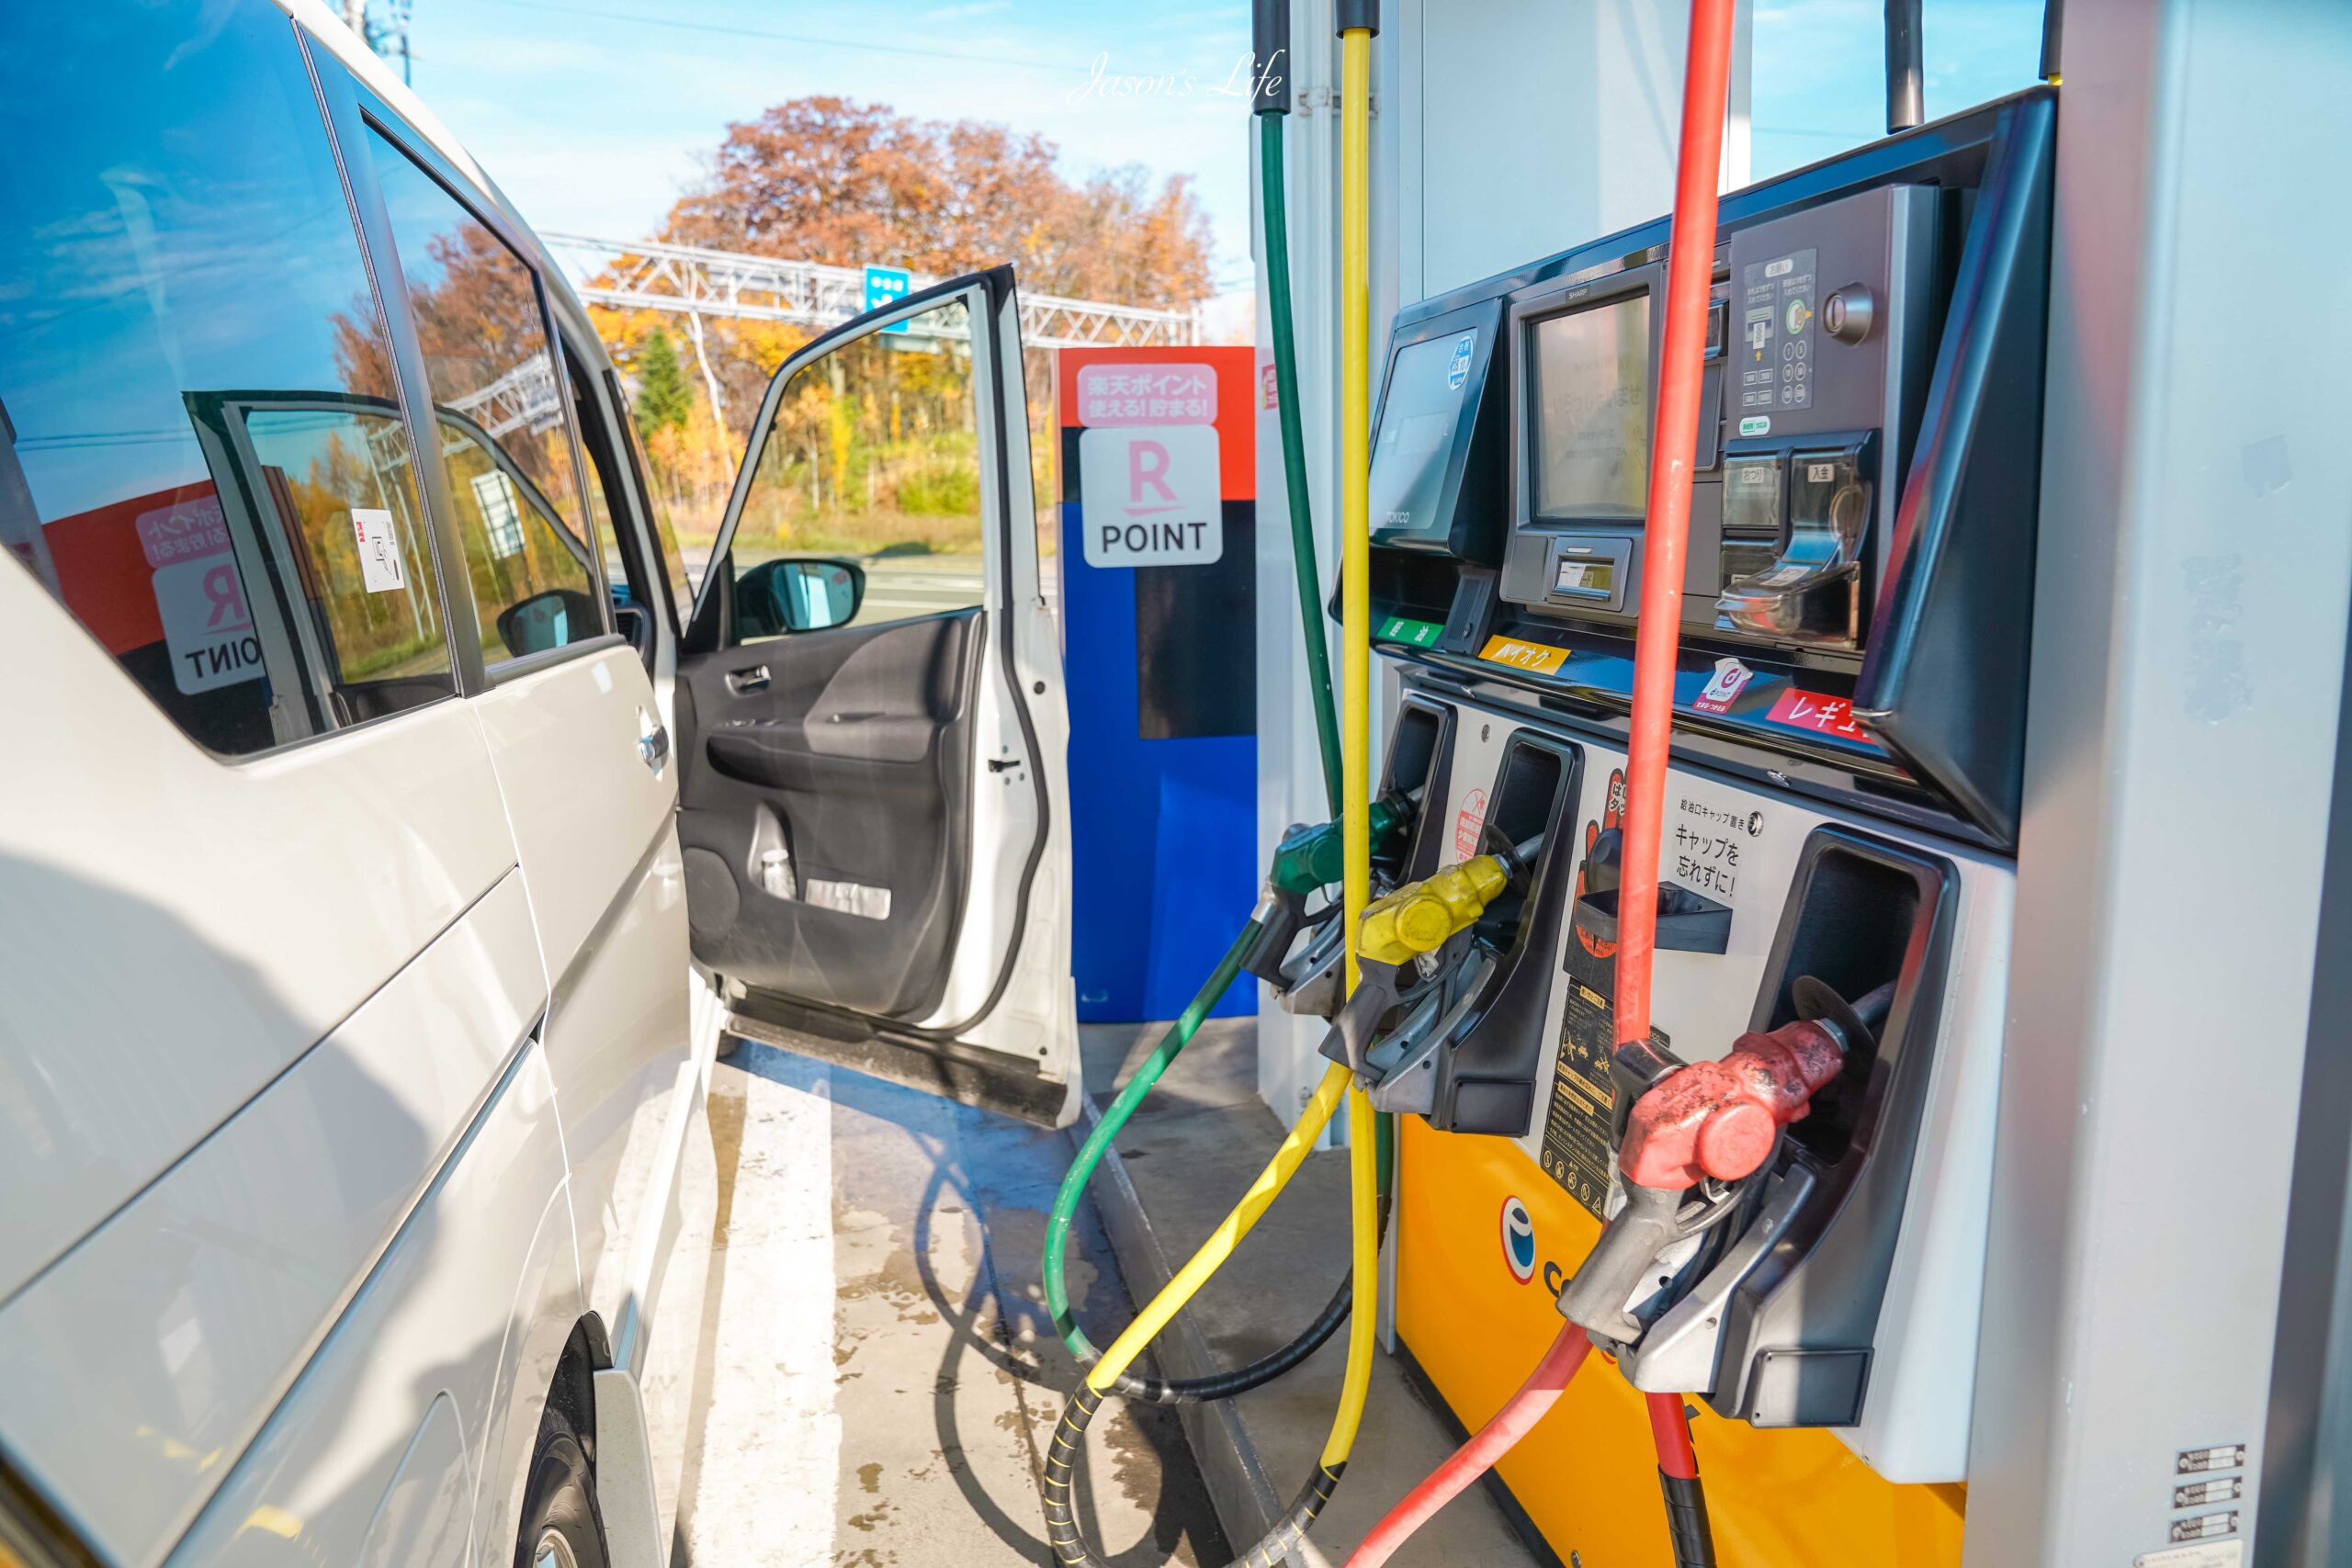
1691	269
1513	1421
1671	1428
1678	1474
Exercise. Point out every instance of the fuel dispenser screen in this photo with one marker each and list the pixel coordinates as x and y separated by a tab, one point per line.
1591	411
1419	423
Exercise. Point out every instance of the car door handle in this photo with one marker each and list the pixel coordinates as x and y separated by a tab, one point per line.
653	747
755	679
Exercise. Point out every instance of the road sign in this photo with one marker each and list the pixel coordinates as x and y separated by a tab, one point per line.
887	285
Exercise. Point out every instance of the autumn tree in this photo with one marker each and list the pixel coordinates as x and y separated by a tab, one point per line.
827	179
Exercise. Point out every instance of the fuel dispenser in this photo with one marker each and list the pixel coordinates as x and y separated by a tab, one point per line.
1776	782
1775	1207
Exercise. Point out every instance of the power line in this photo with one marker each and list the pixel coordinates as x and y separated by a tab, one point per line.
821	40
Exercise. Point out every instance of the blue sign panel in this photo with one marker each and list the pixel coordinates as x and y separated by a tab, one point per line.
887	285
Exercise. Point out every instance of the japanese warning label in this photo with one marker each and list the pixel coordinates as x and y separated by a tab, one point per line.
1584	1105
1577	1128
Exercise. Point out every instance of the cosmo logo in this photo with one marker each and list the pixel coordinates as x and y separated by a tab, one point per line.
1519	1240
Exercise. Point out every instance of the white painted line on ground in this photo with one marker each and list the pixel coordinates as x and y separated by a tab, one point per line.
771	1439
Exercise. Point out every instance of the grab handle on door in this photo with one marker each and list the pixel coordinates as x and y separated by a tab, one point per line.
652	742
755	679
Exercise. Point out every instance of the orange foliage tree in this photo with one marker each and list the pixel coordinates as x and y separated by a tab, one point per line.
826	179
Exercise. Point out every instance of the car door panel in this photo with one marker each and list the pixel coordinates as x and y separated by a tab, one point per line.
264	902
466	1312
593	825
849	752
190	1311
875	861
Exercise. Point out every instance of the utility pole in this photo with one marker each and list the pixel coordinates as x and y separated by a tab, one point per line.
385	33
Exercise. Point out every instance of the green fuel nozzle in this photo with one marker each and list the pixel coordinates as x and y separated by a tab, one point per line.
1307	859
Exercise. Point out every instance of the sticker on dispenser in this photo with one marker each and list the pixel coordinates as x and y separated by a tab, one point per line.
2219	1554
1822	715
1457	369
1470	824
1518	655
1730	679
2206	1527
2205	1494
2198	1462
1756	425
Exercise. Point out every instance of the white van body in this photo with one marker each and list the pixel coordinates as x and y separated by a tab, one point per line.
354	1046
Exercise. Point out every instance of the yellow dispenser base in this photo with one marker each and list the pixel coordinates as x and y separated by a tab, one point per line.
1588	1476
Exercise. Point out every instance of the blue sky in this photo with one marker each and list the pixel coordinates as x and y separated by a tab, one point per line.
594	115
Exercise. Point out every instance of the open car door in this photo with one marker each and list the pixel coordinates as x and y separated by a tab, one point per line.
872	801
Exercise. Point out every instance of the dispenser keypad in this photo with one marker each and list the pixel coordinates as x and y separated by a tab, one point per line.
1779	312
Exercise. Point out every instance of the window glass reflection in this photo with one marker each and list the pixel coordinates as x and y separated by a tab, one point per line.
198	457
506	438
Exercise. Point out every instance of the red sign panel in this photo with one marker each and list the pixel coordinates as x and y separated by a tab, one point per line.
1823	715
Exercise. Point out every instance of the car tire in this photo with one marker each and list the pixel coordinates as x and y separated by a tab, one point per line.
561	1527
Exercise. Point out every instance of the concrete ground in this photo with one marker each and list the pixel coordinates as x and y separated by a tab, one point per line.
883	1379
1189	1152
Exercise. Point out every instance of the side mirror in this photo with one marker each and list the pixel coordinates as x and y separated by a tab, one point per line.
799	593
551	620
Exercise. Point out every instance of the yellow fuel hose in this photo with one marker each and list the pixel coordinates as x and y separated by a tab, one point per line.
1212	1253
1355	652
1355	477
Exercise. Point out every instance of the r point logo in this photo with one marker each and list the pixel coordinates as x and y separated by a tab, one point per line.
1519	1240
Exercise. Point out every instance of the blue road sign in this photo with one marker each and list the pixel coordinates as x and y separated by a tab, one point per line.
887	285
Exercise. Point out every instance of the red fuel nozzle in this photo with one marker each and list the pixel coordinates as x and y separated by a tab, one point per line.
1720	1119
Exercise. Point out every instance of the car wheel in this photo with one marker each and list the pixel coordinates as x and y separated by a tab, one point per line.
561	1527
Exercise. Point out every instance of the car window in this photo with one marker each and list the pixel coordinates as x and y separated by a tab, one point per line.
874	456
665	536
635	593
202	454
505	425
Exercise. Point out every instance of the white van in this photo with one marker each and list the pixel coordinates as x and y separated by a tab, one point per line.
386	840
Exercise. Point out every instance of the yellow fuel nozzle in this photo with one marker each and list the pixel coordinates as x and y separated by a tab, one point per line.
1420	916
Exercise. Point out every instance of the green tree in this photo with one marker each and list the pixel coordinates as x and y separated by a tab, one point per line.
663	398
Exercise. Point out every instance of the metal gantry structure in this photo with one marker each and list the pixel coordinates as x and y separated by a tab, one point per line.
695	281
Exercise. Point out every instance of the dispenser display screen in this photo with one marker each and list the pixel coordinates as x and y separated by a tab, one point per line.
1429	382
1591	403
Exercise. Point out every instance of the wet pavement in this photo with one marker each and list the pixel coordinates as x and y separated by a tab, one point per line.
881	1378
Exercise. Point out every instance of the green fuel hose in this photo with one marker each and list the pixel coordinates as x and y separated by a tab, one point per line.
1301	511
